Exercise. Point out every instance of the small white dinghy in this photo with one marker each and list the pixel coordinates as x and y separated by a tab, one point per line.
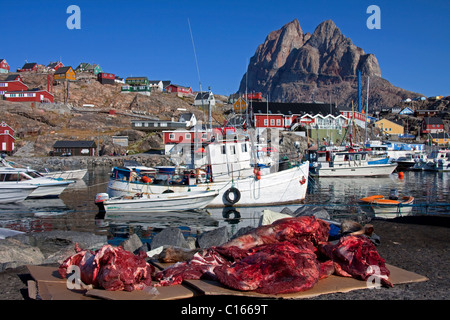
163	202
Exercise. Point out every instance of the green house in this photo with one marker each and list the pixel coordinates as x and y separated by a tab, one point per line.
83	67
95	69
146	90
87	67
137	81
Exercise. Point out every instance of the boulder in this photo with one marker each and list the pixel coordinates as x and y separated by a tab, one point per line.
169	237
14	253
213	238
132	244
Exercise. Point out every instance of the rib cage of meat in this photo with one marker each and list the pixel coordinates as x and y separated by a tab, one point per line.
111	268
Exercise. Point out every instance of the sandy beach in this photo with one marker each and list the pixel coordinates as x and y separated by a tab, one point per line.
417	244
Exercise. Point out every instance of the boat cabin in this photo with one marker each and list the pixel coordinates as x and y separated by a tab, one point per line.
17	174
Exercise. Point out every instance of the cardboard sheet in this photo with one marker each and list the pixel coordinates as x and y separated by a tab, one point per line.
50	286
332	284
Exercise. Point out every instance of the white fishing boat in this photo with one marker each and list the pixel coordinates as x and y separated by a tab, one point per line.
77	174
11	192
443	161
164	202
227	165
437	160
331	163
45	187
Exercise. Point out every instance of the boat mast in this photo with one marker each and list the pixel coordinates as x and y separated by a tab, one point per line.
367	110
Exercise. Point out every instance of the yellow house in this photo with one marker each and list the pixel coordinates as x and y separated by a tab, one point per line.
65	73
240	105
390	127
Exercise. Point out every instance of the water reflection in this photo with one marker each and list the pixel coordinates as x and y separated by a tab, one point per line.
75	208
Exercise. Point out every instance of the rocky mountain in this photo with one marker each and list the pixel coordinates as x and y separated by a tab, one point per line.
293	66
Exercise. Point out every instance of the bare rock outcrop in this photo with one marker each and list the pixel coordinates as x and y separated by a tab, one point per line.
291	66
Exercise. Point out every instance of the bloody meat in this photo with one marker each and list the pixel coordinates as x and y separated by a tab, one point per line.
357	257
111	268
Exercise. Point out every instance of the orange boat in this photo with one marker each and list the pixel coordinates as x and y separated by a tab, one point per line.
391	207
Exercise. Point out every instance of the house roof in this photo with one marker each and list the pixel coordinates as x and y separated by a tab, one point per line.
177	85
294	108
432	120
83	65
397	122
440	135
184	117
29	65
74	144
53	64
202	95
136	78
166	83
13	77
63	70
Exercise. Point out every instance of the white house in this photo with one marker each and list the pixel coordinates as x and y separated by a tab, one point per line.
207	97
156	85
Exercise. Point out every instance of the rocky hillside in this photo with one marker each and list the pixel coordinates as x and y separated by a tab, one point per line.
38	126
293	66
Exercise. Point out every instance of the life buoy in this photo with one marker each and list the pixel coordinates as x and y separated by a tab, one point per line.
235	197
303	180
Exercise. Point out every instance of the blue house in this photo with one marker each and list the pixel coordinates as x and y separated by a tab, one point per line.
406	110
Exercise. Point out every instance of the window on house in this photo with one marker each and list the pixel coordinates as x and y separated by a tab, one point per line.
278	122
171	136
266	122
187	136
272	122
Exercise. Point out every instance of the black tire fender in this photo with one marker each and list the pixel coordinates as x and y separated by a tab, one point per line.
235	198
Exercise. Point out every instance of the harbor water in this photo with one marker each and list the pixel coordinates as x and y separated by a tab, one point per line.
75	209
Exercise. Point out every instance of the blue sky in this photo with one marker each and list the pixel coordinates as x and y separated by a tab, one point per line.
151	38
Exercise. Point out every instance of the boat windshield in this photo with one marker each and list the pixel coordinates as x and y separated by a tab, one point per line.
13	177
34	174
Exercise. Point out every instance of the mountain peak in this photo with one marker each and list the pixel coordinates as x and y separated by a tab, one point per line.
293	66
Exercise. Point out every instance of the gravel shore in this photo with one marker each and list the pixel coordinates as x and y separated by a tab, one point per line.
417	244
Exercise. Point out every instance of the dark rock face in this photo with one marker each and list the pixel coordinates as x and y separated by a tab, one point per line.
291	66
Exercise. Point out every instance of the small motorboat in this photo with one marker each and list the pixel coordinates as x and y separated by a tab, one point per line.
392	207
163	202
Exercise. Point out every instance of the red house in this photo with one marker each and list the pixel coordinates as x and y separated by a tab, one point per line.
432	125
4	66
106	78
12	83
35	95
53	66
6	138
32	66
180	90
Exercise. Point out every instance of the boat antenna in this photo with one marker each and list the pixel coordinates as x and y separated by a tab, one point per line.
198	70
